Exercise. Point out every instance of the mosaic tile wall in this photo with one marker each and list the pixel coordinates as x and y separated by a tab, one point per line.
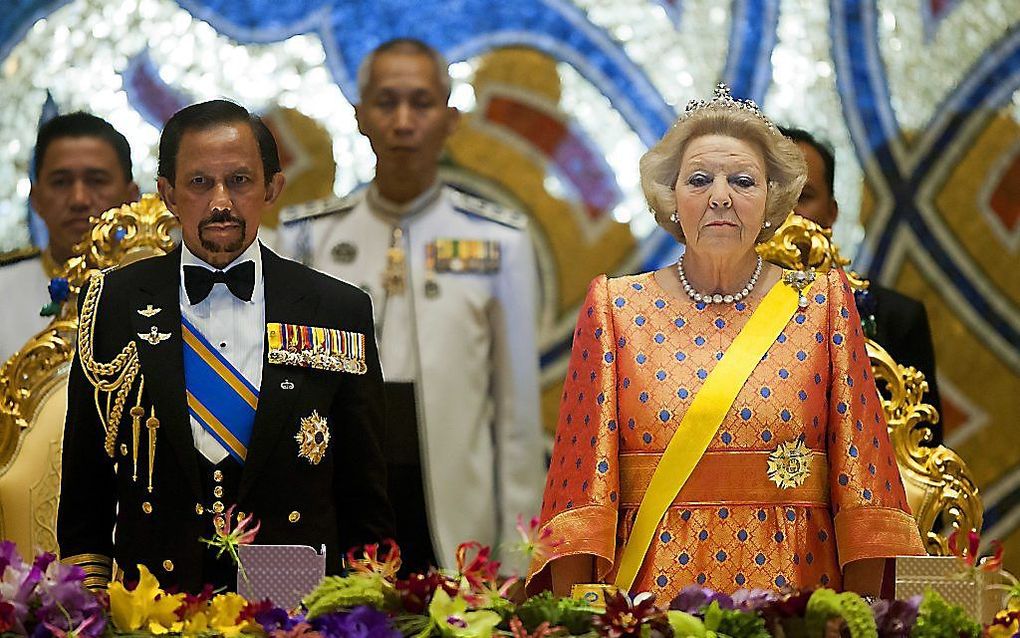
919	98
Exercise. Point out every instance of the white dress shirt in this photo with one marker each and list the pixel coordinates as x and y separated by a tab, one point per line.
234	327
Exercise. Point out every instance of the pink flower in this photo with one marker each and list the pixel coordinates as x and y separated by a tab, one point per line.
536	541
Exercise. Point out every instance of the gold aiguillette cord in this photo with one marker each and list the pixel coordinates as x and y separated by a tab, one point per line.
152	423
136	428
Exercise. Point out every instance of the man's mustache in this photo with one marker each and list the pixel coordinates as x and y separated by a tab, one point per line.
221	217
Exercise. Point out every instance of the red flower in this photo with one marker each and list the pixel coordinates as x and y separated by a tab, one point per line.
7	618
544	630
969	553
416	591
251	610
477	569
625	617
300	630
193	604
370	564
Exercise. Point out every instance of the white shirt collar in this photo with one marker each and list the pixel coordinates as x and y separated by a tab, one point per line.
253	252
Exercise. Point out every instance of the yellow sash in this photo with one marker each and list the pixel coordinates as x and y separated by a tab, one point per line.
702	421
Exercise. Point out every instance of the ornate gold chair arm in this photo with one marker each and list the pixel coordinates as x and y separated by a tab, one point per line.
940	486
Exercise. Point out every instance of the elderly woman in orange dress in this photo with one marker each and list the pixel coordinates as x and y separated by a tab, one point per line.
719	423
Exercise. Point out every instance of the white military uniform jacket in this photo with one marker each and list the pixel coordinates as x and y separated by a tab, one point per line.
464	336
23	293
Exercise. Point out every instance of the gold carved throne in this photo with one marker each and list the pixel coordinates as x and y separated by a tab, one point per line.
940	488
33	382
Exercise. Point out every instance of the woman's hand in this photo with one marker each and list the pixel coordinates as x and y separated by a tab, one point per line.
571	570
864	576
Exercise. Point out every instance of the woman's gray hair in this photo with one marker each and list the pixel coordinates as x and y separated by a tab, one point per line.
785	168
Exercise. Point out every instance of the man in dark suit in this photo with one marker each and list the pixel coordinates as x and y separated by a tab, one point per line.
895	321
243	379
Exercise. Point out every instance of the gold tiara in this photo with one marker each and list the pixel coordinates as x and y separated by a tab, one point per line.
722	99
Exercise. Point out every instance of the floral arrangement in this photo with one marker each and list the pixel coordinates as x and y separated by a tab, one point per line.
45	598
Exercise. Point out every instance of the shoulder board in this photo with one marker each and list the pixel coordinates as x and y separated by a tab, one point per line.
478	207
20	254
319	208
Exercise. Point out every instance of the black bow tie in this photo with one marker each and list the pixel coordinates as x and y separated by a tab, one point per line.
199	281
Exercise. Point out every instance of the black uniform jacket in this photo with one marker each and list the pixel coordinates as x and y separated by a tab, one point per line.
340	501
901	327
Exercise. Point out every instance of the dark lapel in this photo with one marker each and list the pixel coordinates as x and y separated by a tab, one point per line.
163	362
288	300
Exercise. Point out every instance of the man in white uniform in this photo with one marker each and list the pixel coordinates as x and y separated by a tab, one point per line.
454	285
82	168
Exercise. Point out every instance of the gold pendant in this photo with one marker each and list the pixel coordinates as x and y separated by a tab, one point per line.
395	273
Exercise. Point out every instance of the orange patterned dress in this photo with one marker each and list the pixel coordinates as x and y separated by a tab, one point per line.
639	357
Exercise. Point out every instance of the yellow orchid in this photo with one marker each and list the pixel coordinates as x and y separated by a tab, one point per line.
196	624
224	610
451	617
145	606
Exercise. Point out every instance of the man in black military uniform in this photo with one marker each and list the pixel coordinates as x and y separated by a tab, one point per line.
897	322
235	377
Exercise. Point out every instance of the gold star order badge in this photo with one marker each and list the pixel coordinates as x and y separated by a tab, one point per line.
788	464
312	438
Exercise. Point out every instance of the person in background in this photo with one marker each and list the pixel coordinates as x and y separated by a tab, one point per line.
895	321
454	285
82	168
719	424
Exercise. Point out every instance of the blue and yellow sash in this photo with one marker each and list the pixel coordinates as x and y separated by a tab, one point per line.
219	397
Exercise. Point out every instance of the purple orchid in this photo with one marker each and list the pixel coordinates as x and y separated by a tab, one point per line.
896	618
693	598
270	617
46	598
17	584
752	599
361	622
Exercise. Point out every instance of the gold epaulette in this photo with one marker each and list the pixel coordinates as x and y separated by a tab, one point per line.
97	567
19	254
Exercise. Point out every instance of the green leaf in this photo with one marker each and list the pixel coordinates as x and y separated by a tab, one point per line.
938	619
685	625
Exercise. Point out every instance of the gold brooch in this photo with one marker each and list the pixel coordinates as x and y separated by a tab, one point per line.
788	464
312	438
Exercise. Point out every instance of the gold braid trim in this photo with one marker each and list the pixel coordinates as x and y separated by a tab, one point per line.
97	567
92	564
115	378
96	583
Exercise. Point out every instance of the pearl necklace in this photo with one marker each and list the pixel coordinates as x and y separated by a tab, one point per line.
716	298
